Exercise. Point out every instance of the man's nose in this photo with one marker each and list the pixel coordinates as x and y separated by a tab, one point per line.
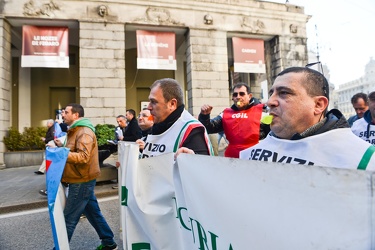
272	100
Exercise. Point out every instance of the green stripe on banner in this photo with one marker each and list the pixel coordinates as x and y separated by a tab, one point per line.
366	158
124	196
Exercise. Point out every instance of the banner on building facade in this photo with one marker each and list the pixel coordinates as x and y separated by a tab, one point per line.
46	47
156	50
248	55
205	202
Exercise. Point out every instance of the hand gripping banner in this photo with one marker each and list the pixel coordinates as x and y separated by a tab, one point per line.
56	196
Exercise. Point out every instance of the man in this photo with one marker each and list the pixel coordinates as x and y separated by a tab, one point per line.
80	173
50	134
364	128
133	132
60	121
175	129
360	105
240	123
301	132
121	128
145	122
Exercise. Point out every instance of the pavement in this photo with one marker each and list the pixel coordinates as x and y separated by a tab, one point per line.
19	188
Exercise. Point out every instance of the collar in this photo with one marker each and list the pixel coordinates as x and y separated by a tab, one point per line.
161	127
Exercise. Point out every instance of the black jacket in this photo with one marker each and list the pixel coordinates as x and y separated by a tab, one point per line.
50	134
132	132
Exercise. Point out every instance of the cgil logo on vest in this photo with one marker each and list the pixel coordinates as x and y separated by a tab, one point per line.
267	155
240	115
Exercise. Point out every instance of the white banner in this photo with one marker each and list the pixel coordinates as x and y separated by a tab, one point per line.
205	202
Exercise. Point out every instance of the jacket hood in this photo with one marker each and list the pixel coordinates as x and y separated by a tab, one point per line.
334	119
83	122
367	116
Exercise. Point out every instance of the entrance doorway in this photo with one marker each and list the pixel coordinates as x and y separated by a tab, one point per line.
60	97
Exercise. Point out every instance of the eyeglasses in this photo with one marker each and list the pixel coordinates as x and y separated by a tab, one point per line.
235	94
142	115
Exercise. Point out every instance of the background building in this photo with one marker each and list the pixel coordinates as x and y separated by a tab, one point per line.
365	84
103	74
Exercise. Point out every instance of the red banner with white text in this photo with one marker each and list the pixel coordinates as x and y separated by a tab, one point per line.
46	47
156	50
248	55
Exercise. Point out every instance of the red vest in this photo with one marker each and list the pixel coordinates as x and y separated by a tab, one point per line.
241	129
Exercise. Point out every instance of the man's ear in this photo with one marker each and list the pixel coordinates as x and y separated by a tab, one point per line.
321	104
173	104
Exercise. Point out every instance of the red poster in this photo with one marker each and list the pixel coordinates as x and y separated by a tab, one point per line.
156	50
248	55
45	47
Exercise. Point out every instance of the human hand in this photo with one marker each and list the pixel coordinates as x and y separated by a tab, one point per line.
183	150
206	109
117	164
58	142
141	144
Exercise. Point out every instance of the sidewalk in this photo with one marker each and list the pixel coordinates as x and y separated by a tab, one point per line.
19	189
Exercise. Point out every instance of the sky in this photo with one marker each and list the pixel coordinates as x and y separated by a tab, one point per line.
344	35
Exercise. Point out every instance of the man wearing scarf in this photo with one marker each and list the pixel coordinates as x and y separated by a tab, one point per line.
80	173
175	129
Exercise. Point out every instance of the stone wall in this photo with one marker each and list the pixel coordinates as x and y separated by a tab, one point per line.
5	83
207	70
102	70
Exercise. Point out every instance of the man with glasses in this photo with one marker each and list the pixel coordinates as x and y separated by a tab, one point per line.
364	128
360	105
145	122
240	123
301	130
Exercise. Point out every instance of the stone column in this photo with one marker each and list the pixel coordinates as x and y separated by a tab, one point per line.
207	70
102	71
5	83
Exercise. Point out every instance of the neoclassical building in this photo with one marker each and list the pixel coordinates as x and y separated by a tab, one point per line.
102	72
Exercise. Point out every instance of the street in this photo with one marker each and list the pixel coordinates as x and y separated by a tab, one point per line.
32	229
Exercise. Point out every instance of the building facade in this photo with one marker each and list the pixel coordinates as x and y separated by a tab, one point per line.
103	75
364	84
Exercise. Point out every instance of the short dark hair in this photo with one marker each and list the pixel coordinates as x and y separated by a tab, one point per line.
241	84
131	111
76	108
317	84
358	96
121	116
170	89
